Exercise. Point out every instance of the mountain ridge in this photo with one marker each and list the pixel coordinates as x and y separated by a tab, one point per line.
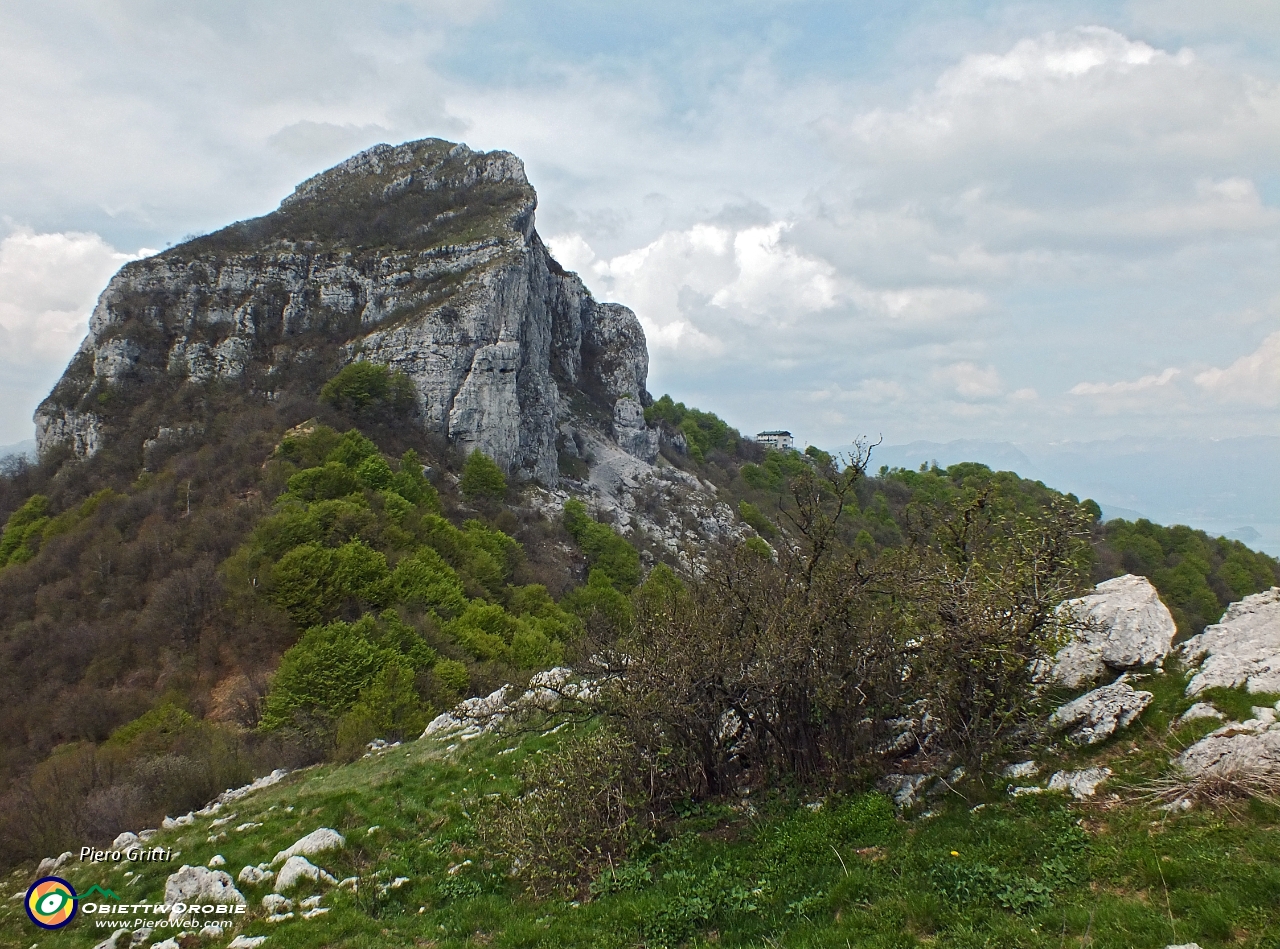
422	257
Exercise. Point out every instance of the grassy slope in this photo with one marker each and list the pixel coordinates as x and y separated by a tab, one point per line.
1035	871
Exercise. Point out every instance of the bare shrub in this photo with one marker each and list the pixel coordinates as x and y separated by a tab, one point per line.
583	810
755	668
982	581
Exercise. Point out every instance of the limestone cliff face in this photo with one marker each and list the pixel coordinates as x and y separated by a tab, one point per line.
422	257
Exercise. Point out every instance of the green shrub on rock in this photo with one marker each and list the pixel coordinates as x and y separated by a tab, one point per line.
606	551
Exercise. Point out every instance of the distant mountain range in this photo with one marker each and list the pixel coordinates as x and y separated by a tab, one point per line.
1222	486
27	448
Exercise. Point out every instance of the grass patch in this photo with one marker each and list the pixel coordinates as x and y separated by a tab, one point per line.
979	869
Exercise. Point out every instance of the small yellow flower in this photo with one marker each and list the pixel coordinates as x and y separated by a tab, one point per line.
955	853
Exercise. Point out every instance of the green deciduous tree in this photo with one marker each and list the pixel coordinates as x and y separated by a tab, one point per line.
482	478
365	388
605	550
332	667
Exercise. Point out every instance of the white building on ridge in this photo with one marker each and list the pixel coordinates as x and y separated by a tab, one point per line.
779	441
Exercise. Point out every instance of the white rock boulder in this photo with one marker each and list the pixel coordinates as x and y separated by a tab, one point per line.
318	841
1243	648
1080	784
1121	625
234	794
52	864
473	716
1021	769
1198	711
275	903
113	941
254	875
1236	749
1099	714
903	788
124	841
201	885
296	869
246	942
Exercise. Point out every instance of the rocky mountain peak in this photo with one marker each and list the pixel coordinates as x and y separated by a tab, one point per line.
422	257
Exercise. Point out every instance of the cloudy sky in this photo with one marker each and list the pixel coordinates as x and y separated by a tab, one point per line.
1018	221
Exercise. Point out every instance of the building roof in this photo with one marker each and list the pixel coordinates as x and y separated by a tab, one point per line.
772	433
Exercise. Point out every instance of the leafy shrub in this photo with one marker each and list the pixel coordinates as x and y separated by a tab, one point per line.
582	810
312	583
703	431
352	448
333	667
391	703
154	731
758	522
30	525
426	582
601	607
367	388
984	581
411	484
452	676
777	469
482	478
488	632
22	529
328	482
606	551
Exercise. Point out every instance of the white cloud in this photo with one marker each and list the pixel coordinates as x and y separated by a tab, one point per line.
1124	388
1254	378
48	285
1044	85
920	304
969	380
676	283
774	279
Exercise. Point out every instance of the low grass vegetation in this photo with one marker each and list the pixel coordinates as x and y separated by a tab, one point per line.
971	866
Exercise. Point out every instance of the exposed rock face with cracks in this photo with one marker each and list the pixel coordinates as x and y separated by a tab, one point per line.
1242	649
422	257
1122	625
1238	748
1099	714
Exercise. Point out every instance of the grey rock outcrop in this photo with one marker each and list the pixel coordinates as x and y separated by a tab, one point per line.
1241	649
297	869
196	884
1236	749
318	841
903	788
422	257
1121	625
1198	711
1099	714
